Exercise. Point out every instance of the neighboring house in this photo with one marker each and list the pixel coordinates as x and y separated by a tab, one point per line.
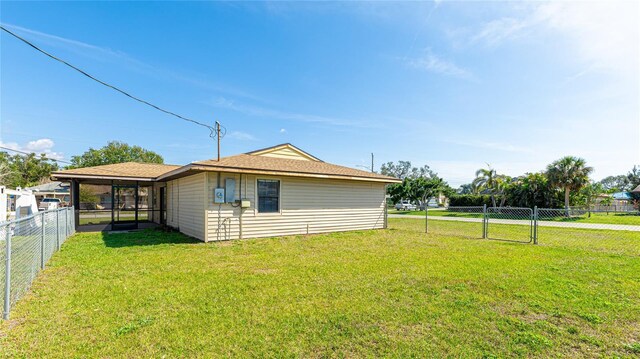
620	202
275	191
55	189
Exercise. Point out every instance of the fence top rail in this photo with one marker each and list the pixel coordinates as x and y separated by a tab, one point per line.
463	207
8	223
509	209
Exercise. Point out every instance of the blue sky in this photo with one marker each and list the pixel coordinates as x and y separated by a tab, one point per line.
454	85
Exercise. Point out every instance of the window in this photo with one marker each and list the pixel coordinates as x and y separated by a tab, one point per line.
268	196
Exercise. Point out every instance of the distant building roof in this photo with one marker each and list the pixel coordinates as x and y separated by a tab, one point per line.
636	190
621	195
51	187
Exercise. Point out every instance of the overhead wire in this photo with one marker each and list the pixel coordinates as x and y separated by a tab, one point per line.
212	130
30	153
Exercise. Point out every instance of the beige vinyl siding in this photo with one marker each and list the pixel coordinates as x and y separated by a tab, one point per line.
287	153
306	206
186	205
228	214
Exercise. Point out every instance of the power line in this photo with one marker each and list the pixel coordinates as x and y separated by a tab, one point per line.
212	130
29	153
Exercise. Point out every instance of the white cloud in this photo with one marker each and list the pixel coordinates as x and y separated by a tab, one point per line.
283	130
40	146
242	136
432	63
496	31
256	111
602	34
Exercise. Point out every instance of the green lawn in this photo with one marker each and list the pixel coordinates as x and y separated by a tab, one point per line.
604	218
105	217
395	292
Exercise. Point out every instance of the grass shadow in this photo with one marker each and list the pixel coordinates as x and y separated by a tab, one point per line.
146	237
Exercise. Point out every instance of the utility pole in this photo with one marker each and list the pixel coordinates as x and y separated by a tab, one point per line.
372	162
367	167
218	137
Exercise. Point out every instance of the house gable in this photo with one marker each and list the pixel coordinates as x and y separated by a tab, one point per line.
287	151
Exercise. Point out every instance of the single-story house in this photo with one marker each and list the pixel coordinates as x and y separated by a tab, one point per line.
54	189
280	190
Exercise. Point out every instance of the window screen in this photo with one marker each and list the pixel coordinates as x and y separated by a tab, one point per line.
268	196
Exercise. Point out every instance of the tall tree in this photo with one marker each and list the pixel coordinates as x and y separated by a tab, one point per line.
486	179
24	170
634	178
568	174
503	184
616	183
589	193
403	169
531	190
421	189
115	152
466	188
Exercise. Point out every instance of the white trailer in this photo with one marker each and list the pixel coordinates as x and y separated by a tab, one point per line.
24	201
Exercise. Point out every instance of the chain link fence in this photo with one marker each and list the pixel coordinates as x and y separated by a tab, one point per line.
26	245
458	221
545	226
578	227
510	224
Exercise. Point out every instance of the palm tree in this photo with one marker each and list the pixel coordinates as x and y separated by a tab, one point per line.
486	178
569	174
503	183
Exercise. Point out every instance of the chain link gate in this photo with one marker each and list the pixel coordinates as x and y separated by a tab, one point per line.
512	224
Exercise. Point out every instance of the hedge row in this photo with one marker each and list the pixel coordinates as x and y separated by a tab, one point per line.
470	200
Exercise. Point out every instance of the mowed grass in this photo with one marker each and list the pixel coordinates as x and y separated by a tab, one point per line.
599	217
395	292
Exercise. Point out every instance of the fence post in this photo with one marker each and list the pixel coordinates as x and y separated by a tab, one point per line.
57	229
484	221
42	234
426	218
535	225
73	220
386	214
66	219
7	276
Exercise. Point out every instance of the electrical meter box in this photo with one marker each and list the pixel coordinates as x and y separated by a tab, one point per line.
218	195
245	203
230	190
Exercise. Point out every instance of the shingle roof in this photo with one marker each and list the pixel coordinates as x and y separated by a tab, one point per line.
127	169
54	186
289	166
246	163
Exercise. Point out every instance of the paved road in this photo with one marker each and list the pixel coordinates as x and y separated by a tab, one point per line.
612	227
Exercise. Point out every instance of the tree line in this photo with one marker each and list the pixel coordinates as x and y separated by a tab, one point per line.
564	183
